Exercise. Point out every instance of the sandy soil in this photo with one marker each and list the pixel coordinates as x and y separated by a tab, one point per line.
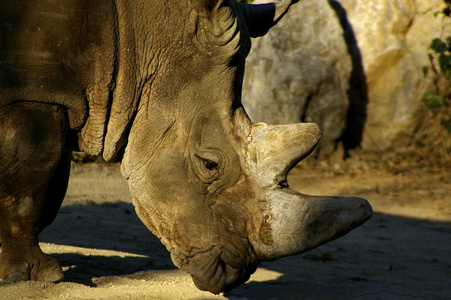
403	252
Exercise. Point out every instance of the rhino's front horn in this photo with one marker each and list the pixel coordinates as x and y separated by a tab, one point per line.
294	223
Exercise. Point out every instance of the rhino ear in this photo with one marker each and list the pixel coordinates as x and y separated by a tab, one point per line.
261	17
205	8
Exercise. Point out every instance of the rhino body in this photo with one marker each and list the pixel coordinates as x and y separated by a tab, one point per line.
156	84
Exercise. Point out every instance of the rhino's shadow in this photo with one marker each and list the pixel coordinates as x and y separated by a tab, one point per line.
388	255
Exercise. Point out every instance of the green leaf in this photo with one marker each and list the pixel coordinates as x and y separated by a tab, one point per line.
447	74
433	100
447	125
445	65
448	40
425	70
438	45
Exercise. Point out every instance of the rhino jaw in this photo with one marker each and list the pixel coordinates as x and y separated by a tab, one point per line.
295	222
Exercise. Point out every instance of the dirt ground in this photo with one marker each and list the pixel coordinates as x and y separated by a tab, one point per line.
402	252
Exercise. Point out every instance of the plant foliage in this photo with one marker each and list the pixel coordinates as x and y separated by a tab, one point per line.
436	138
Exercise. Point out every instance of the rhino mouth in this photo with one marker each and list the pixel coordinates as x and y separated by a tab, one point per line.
217	270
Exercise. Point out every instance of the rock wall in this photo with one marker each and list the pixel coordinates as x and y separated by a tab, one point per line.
299	72
352	66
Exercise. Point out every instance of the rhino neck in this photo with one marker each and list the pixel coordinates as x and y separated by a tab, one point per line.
124	74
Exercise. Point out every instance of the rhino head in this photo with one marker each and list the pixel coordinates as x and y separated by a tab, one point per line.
207	181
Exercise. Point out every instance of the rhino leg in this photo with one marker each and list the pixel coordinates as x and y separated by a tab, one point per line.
56	190
31	144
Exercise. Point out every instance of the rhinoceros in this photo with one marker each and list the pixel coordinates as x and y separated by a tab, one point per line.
157	85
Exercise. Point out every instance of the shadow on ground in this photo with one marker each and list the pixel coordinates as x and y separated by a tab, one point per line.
108	226
389	257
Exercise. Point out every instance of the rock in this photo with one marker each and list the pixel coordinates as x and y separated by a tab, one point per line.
300	72
393	38
352	66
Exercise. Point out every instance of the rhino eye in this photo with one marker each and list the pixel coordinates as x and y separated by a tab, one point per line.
209	164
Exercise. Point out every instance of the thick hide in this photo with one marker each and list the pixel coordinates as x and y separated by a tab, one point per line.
157	83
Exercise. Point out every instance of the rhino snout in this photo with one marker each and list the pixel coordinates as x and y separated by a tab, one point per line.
217	269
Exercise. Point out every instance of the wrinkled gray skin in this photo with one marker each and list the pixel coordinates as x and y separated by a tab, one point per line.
162	80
